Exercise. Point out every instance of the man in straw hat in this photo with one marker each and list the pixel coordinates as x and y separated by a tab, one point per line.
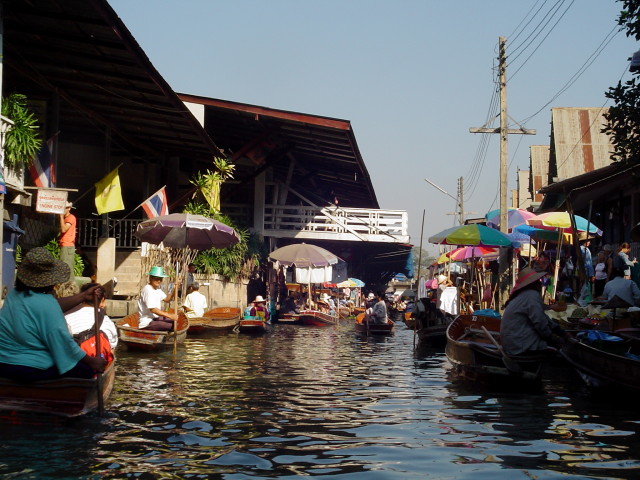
152	316
524	326
35	343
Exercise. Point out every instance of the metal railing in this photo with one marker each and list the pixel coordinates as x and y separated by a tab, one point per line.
90	230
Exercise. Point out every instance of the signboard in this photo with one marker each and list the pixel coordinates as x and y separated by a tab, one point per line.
51	201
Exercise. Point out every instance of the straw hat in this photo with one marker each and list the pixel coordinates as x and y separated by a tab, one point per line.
259	299
526	277
371	296
39	269
442	279
325	297
157	272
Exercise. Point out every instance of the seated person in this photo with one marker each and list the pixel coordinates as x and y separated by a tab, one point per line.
35	343
624	288
195	304
152	317
524	326
289	306
259	309
81	322
378	313
326	304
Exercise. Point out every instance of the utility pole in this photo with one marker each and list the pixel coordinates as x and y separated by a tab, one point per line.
459	199
504	132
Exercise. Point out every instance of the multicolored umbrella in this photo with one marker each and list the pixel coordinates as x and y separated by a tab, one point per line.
351	283
473	234
465	253
515	217
562	221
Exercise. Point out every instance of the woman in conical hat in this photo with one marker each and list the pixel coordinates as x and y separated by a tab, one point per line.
525	326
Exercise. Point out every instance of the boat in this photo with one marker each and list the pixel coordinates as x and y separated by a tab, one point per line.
215	320
604	360
317	318
430	324
289	318
473	348
373	328
137	339
62	397
253	325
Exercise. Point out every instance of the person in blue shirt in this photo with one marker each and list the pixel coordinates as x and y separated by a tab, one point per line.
35	343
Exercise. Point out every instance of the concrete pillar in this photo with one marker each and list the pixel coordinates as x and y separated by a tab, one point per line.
106	264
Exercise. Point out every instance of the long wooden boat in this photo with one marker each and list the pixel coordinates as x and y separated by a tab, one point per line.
475	357
366	328
316	318
62	397
216	319
253	326
605	363
137	339
289	318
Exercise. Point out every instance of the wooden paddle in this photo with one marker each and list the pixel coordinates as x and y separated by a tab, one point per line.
511	364
96	316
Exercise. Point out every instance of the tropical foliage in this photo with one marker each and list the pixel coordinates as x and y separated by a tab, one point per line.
623	119
22	141
209	183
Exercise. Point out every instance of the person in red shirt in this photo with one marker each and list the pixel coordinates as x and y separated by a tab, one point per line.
68	237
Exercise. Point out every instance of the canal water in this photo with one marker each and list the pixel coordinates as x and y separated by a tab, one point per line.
325	403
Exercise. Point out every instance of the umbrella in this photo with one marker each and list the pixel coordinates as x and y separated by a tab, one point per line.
187	230
541	235
472	234
304	255
562	221
515	217
464	253
351	283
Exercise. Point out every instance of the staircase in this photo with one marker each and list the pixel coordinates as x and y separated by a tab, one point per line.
129	274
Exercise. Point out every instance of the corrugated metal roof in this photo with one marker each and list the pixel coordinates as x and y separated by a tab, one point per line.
539	167
577	143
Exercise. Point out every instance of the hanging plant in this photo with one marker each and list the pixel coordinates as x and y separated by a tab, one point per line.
22	140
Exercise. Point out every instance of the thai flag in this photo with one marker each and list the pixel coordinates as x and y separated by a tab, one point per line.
41	167
156	205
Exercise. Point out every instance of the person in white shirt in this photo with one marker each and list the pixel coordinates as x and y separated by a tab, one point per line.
152	317
195	304
81	318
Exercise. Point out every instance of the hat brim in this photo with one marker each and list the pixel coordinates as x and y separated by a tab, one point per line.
528	281
59	273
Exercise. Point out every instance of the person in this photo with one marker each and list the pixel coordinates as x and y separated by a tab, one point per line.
35	343
379	310
259	309
542	263
525	326
191	270
370	301
588	260
608	252
67	238
623	260
289	306
195	303
622	287
81	322
152	317
600	273
326	304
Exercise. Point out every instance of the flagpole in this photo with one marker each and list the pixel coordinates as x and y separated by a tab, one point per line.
90	188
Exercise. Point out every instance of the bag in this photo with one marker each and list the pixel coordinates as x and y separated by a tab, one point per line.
88	345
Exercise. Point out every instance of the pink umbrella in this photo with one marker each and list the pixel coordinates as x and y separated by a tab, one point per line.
515	217
464	253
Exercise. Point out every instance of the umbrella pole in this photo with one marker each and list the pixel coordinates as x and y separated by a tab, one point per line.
556	273
175	304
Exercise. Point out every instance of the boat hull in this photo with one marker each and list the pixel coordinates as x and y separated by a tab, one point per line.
137	339
253	326
315	318
215	320
365	328
63	397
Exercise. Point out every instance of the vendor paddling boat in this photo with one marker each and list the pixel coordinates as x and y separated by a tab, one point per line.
367	328
253	325
473	348
215	320
135	338
63	397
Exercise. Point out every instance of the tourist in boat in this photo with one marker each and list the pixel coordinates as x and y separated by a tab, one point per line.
525	327
195	303
327	305
259	309
622	287
35	343
152	316
81	322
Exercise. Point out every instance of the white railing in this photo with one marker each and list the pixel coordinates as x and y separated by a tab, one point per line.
336	222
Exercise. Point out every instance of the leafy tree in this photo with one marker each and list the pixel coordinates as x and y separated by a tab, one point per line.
623	119
425	261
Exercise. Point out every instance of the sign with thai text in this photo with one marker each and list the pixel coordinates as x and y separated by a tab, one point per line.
51	201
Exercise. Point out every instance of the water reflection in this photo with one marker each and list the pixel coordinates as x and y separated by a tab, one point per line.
325	402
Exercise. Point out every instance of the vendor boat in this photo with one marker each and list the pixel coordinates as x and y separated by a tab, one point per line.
253	325
316	318
367	328
215	320
62	397
137	339
473	348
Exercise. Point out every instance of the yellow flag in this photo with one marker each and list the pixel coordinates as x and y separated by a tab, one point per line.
108	193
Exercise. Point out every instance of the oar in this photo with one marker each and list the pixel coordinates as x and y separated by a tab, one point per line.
96	316
511	364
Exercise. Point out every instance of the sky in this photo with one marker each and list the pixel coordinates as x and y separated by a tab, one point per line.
412	76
